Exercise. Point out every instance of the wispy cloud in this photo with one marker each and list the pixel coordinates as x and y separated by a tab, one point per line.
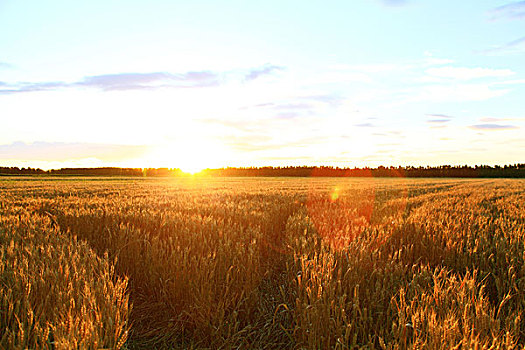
516	42
137	81
289	115
287	110
289	107
457	92
442	116
31	87
514	46
394	2
490	119
330	99
123	81
513	10
493	119
438	121
510	82
267	69
301	102
365	125
5	65
463	73
59	151
489	127
255	143
133	81
280	106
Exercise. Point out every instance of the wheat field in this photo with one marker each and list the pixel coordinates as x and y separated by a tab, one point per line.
261	263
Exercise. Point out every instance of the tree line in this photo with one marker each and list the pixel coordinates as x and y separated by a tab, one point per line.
465	171
105	171
484	171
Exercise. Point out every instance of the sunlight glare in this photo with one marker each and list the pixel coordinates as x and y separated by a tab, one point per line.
189	155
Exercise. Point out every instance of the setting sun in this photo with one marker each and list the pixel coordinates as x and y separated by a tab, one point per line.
191	155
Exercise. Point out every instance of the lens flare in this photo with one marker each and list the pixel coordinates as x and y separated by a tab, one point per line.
335	194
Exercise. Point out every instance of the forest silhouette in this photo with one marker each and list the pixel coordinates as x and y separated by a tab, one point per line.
465	171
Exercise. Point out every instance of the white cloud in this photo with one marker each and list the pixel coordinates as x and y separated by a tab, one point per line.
460	92
434	61
510	82
463	73
334	76
394	2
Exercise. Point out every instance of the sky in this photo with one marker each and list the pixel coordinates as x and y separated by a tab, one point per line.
198	84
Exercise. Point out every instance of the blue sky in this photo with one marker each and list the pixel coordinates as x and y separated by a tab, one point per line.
208	84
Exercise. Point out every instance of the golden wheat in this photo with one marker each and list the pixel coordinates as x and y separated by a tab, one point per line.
263	263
